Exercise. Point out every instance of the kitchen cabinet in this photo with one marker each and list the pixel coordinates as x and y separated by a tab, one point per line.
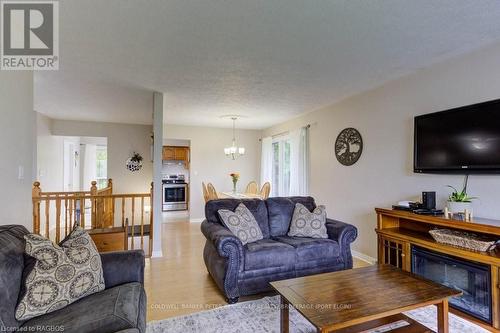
168	153
172	153
181	153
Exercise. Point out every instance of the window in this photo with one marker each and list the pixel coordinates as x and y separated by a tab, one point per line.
102	166
281	166
285	163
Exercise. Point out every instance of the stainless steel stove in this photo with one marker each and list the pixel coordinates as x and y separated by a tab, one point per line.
175	193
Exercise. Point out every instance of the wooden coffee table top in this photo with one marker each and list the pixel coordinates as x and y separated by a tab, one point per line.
342	299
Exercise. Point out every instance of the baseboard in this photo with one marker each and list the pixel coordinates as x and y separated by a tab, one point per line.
196	220
157	254
364	257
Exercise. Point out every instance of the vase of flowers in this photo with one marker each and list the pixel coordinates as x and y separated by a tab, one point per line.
460	201
235	177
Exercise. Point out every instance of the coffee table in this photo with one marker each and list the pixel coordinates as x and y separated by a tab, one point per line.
363	298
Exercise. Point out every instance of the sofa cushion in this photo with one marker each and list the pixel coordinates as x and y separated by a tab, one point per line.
63	273
11	272
267	253
118	308
312	248
308	224
242	224
280	211
256	206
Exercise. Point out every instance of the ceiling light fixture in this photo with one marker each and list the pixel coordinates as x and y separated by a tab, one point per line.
234	151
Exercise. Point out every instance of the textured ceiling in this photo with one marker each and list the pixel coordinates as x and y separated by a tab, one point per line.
269	60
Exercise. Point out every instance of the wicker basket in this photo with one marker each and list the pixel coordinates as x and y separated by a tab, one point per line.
464	239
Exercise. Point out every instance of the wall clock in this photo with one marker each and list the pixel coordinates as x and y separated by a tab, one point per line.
348	146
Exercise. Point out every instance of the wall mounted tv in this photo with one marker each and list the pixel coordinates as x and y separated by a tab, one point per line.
464	140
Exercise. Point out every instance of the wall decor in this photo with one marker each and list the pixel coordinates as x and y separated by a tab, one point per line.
134	163
348	146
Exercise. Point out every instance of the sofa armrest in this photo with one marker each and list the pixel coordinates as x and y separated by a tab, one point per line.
122	267
344	234
227	244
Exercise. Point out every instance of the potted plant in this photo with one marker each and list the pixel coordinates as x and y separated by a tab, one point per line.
459	201
235	177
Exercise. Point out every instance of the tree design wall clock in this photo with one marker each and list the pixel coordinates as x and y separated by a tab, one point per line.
348	146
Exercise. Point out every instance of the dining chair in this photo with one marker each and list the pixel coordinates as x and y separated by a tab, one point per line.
206	196
265	190
252	188
212	193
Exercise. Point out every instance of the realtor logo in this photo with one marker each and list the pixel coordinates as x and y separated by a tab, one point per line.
30	35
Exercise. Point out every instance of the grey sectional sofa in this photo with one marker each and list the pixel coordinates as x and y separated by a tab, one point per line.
121	307
244	270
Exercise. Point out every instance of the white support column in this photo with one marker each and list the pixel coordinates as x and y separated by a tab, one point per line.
157	168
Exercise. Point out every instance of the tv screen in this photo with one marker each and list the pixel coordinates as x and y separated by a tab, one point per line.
462	140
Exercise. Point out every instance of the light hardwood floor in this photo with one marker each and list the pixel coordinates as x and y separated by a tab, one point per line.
178	283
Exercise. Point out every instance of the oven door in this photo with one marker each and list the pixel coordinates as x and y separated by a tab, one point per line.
174	197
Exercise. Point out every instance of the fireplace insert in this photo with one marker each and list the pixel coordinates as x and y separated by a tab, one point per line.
473	279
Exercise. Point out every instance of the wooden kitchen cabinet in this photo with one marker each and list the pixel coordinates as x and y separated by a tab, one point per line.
181	153
176	154
168	153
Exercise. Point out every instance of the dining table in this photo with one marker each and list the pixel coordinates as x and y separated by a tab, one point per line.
236	195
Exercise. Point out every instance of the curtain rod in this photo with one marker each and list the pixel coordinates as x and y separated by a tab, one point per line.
285	132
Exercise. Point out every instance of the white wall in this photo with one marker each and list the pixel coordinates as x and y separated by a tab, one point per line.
50	154
17	134
50	157
384	116
123	141
209	164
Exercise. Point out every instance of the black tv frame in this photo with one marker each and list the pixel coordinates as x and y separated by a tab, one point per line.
464	170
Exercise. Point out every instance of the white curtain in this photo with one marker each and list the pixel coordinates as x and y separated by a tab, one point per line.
299	155
266	161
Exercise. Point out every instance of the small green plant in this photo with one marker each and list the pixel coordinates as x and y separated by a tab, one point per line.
460	196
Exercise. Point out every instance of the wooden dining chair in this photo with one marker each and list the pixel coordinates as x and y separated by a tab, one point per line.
252	188
212	193
265	190
206	196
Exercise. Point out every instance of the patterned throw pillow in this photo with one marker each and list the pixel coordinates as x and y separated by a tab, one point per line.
62	274
242	224
307	224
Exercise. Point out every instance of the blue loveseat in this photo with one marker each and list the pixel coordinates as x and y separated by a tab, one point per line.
247	269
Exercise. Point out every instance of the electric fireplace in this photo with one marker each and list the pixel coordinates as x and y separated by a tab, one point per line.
472	278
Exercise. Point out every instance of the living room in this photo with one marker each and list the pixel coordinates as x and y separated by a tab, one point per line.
277	67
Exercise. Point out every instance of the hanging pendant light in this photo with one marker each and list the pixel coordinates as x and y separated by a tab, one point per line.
234	151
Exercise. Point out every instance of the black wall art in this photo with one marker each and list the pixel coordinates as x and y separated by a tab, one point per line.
348	146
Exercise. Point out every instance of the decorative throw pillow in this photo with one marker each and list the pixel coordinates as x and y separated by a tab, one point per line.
62	274
242	224
308	224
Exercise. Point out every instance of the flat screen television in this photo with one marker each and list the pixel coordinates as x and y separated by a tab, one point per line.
463	140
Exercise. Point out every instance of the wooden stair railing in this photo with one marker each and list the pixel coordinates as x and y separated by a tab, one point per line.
55	213
102	208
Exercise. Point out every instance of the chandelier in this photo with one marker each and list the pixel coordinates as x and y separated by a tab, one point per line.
234	151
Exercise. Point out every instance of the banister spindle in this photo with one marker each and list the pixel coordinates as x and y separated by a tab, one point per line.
93	204
35	194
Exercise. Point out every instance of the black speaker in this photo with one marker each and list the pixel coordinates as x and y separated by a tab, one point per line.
429	200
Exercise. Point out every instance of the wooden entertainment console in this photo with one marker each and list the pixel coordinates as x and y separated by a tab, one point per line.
398	231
